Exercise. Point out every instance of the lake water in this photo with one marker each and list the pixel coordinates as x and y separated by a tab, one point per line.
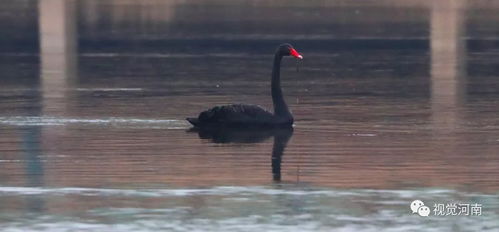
95	139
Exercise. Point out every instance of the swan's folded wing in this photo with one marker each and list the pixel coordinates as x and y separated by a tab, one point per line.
236	113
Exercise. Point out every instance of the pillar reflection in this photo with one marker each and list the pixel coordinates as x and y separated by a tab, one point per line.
57	52
448	62
58	67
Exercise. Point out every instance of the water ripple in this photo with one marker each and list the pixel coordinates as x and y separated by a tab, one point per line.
111	121
231	191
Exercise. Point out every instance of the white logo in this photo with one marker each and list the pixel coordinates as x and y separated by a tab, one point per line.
415	206
424	211
449	209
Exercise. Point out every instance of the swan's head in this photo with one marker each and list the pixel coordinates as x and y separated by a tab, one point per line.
288	50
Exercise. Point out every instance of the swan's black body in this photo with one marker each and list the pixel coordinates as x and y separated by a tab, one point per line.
239	115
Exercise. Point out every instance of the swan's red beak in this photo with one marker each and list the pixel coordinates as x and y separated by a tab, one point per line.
294	53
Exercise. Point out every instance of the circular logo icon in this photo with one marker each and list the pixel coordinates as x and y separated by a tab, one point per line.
424	211
415	205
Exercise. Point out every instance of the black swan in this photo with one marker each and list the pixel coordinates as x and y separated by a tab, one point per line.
240	115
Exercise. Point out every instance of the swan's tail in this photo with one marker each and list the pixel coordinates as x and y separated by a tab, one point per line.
193	121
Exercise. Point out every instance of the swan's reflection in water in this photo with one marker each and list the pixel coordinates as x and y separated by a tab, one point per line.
247	135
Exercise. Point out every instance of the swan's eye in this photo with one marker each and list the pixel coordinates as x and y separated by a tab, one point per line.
295	54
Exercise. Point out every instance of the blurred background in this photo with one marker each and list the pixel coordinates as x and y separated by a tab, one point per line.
394	100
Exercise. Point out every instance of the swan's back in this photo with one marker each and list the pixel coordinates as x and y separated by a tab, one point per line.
234	115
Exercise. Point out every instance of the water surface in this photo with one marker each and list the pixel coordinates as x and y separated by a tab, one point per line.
95	139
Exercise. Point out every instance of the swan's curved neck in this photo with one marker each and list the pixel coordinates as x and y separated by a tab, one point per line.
280	107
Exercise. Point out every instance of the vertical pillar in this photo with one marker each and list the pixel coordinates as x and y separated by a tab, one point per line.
448	62
58	58
57	52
